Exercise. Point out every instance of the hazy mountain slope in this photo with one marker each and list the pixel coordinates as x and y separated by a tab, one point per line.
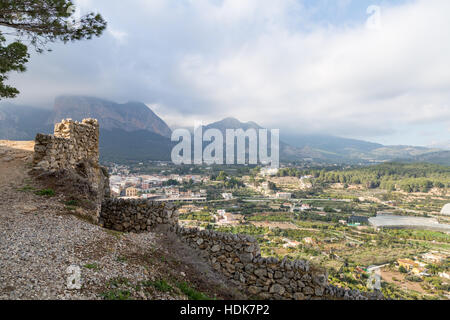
23	122
132	131
330	143
399	152
287	152
131	116
232	123
324	148
118	145
440	157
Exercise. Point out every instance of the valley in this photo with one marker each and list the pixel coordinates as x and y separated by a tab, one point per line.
301	213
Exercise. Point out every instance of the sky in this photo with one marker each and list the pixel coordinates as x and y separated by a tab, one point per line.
371	70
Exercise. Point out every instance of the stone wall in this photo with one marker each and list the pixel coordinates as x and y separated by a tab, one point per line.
136	215
73	142
69	159
238	257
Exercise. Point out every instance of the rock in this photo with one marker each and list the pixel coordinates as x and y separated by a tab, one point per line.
318	291
277	289
299	296
250	248
260	273
308	290
246	257
253	290
278	275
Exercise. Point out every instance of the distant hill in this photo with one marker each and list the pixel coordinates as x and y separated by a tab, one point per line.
23	122
130	116
117	145
129	131
232	123
287	152
323	148
439	157
132	131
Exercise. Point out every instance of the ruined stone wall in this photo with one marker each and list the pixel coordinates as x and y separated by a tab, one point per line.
136	215
71	158
238	257
73	142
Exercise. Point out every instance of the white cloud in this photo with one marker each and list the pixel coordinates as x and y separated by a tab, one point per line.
266	61
338	79
120	36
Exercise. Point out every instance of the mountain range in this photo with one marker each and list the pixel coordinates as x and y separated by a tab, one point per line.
133	132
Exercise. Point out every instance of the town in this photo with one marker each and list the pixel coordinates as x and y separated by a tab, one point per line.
367	237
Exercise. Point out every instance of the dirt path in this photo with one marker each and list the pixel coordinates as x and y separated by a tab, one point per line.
40	239
399	279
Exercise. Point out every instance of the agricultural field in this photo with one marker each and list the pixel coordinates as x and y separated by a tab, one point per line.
328	224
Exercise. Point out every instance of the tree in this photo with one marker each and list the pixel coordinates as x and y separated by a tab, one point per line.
36	23
222	176
402	269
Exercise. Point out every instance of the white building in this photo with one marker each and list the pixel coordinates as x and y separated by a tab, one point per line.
284	195
268	172
444	275
116	190
265	186
227	196
446	210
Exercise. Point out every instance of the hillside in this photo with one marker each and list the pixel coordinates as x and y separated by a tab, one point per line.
69	246
42	236
439	157
130	116
414	177
22	122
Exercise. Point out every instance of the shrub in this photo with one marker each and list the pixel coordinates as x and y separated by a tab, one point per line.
46	192
191	293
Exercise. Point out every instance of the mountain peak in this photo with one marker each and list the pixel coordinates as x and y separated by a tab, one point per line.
130	116
232	123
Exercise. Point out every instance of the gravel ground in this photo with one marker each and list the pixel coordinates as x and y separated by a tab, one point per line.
40	239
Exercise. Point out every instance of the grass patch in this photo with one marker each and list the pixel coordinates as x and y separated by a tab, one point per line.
122	259
117	292
117	295
191	293
46	192
160	285
119	281
92	266
72	203
26	188
116	234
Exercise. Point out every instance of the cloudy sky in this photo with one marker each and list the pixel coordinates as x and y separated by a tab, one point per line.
309	66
